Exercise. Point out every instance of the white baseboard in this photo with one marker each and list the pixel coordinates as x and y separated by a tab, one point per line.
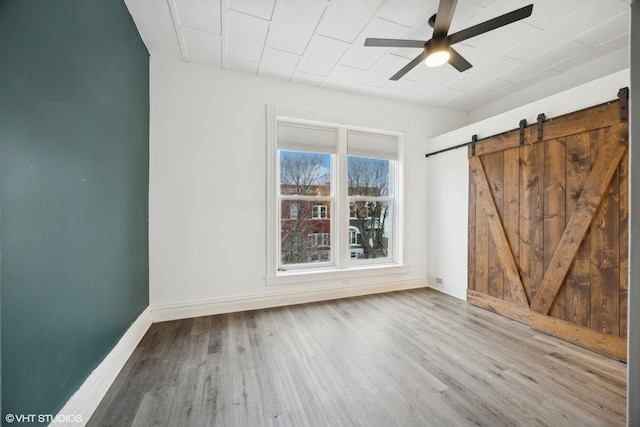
210	307
447	291
86	399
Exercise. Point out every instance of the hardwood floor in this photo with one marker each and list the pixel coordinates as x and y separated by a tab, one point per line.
413	358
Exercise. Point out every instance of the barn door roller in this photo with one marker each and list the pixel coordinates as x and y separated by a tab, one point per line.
623	96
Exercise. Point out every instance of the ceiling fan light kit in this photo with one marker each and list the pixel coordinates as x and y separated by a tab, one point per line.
438	51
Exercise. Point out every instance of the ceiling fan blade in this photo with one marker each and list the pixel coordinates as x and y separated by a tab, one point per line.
418	59
491	24
458	62
443	18
394	43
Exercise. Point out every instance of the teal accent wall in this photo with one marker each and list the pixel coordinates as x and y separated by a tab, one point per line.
74	176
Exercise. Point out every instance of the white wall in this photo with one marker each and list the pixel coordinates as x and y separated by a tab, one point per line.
448	174
207	224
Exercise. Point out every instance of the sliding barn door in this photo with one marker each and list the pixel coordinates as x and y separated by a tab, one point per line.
548	228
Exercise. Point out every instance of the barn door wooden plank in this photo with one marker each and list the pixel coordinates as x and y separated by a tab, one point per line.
600	117
511	211
605	253
482	248
471	254
590	198
624	242
577	283
531	217
526	247
495	177
484	196
554	211
609	345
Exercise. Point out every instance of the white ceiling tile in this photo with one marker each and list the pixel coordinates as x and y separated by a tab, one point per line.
348	18
550	59
478	75
342	77
618	44
465	12
569	28
437	97
483	3
154	21
606	32
258	8
157	48
498	41
322	55
362	89
295	23
476	94
246	36
379	74
306	78
363	57
242	65
200	14
407	12
420	31
202	47
549	13
276	63
537	77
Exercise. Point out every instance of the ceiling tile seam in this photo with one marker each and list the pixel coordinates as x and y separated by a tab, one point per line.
345	66
589	31
264	45
277	7
175	20
585	62
275	14
325	14
339	62
253	16
396	23
373	16
200	30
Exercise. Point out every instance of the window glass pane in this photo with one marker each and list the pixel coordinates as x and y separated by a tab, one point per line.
372	222
306	237
368	177
305	174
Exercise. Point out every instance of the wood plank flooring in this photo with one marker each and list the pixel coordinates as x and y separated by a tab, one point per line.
412	358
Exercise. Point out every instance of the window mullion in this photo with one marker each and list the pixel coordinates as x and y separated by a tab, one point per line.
342	223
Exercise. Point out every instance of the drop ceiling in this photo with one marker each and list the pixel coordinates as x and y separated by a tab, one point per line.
321	42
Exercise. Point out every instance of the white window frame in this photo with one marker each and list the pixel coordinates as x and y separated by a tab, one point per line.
341	264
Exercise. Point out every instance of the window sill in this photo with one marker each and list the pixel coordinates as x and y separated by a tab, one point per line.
332	274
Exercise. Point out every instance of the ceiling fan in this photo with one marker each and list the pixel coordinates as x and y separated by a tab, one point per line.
438	50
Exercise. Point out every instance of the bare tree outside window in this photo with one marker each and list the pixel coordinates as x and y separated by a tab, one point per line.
368	185
305	188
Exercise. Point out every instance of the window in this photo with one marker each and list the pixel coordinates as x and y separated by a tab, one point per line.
337	197
294	208
353	235
319	212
